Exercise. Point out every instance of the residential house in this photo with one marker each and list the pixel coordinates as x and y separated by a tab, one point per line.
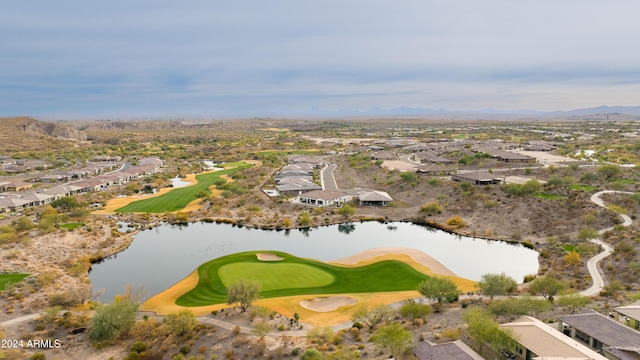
631	314
477	177
49	178
15	186
10	204
374	198
384	155
434	169
431	157
63	190
534	340
6	160
89	185
324	198
108	158
455	350
511	157
36	199
539	147
296	185
602	334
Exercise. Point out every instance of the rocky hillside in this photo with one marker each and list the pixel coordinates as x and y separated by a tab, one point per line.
25	134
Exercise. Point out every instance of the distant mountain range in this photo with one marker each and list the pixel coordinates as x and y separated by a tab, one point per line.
315	112
412	112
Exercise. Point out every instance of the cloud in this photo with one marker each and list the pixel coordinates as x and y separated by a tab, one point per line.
230	56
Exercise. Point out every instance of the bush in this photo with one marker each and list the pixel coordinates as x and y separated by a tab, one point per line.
431	208
112	320
138	347
180	323
456	222
311	354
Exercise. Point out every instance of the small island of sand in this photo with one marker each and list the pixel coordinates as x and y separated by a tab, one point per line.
327	304
268	257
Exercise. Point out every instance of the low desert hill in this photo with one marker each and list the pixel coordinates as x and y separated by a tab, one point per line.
25	134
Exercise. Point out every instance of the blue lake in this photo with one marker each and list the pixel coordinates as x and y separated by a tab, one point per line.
160	257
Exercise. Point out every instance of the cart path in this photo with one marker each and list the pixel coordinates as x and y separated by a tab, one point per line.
592	264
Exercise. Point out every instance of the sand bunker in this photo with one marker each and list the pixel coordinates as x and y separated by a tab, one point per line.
269	257
434	265
327	304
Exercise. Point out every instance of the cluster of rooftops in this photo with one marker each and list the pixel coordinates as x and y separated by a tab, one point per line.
587	335
296	178
14	198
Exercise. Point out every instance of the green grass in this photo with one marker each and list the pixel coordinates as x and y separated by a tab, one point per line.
177	199
583	187
297	276
71	226
548	196
10	278
569	248
276	276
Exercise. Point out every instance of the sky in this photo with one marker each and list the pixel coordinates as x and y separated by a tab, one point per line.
109	58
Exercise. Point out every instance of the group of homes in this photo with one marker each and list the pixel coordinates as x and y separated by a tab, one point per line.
587	335
297	179
431	158
10	165
18	195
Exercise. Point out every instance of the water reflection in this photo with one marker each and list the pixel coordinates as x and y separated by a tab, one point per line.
160	257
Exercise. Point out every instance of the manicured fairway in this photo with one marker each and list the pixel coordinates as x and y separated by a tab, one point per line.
177	199
296	276
13	278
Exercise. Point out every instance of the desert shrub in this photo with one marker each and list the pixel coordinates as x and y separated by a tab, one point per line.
145	329
180	323
456	222
431	208
236	330
311	354
451	333
490	203
112	320
320	335
138	347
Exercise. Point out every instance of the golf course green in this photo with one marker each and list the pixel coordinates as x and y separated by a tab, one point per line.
10	278
296	276
178	199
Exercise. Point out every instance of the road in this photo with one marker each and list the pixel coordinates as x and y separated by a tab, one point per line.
327	178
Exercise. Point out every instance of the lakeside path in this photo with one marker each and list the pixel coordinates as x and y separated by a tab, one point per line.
592	264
